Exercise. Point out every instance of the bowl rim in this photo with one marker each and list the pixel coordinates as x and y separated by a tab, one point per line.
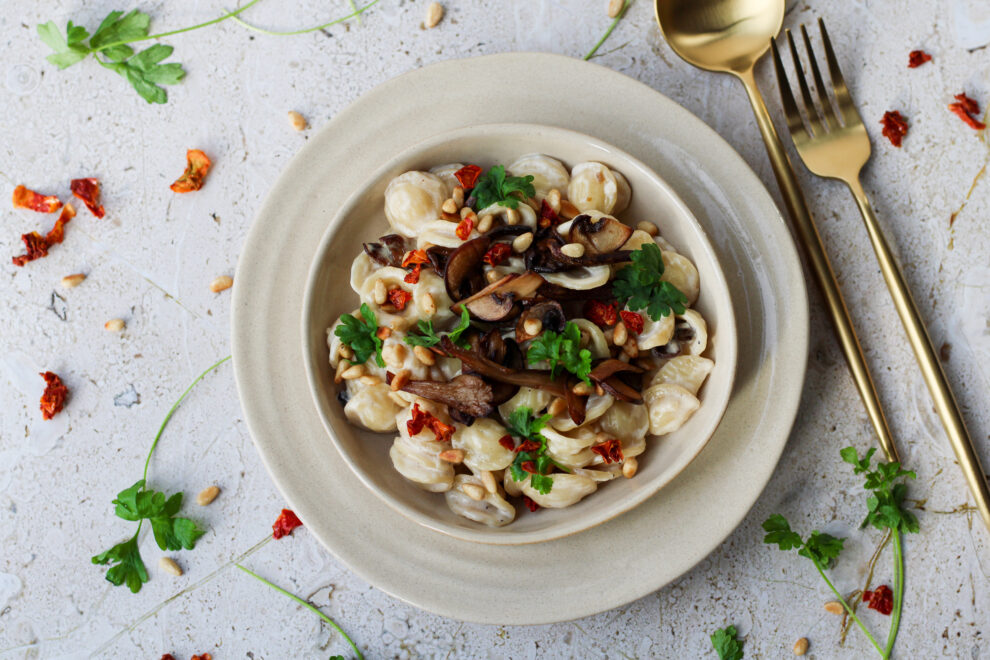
727	330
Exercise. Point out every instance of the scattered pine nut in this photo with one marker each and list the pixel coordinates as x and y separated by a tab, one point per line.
115	325
207	495
614	7
522	242
168	565
342	366
383	332
424	355
568	210
492	276
474	491
427	304
834	607
452	455
434	14
557	406
553	200
619	334
631	348
485	223
532	327
400	380
450	206
297	121
221	283
512	217
801	646
353	373
370	381
468	213
629	467
72	281
458	196
345	352
488	479
573	250
380	293
648	227
582	389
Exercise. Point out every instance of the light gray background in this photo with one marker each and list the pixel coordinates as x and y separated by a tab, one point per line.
151	259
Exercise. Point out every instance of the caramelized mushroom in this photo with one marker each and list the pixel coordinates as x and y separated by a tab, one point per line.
469	394
550	315
463	274
497	301
563	294
606	373
438	256
599	236
389	252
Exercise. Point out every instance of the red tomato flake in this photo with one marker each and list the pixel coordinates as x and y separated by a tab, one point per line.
399	298
202	656
468	176
464	228
881	599
416	259
530	504
88	190
604	315
528	466
423	419
895	127
196	170
25	198
918	57
53	398
285	523
37	245
632	321
497	254
168	656
965	108
610	450
528	445
507	442
548	218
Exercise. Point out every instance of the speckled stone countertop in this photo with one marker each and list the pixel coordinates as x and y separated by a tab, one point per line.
151	260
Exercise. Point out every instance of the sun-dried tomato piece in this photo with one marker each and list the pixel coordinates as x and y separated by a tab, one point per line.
918	57
968	104
632	321
168	656
424	419
202	656
530	504
37	245
528	445
399	298
53	398
604	315
468	176
497	254
880	599
965	108
57	233
464	228
88	190
196	170
548	217
610	450
507	442
528	466
285	523
25	198
416	259
895	127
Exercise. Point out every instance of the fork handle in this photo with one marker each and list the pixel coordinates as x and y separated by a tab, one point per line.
931	367
814	250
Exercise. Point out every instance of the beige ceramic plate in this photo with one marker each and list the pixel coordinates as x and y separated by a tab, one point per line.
661	538
362	218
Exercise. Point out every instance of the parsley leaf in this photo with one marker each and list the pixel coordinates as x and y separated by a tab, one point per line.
640	285
562	350
884	504
779	533
494	187
429	337
819	548
726	644
69	49
523	424
361	335
128	566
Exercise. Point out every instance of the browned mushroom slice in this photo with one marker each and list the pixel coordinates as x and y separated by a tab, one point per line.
563	294
497	300
550	315
621	390
467	393
485	367
599	237
575	403
608	368
389	251
438	256
464	273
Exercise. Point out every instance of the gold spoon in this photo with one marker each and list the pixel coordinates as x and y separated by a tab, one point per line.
729	36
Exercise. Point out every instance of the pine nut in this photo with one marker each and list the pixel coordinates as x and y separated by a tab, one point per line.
221	283
532	327
488	479
468	212
557	406
72	281
399	380
168	565
614	7
449	206
354	372
573	250
512	217
583	389
427	304
345	352
370	381
619	334
207	495
553	200
474	491
434	13
398	324
452	455
424	355
394	355
629	467
342	366
631	348
599	390
115	325
458	196
801	646
522	242
297	121
383	332
568	210
648	227
492	276
834	607
485	223
381	293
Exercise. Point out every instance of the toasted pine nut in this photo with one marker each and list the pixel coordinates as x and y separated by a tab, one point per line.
168	565
297	121
834	607
207	495
488	479
557	406
354	372
468	212
648	227
522	242
619	334
221	283
492	276
399	380
383	333
631	348
424	355
568	210
115	325
485	223
474	491
599	390
614	7
434	13
369	380
553	200
427	304
398	324
512	217
449	206
801	646
532	327
71	281
582	389
345	352
452	455
397	399
342	366
573	250
394	355
629	467
381	293
458	196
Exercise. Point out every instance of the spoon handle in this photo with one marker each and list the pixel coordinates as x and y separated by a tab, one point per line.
814	250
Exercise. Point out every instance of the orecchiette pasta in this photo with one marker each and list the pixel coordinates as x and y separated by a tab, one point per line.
446	174
679	271
480	444
491	509
548	173
412	200
568	489
593	187
670	406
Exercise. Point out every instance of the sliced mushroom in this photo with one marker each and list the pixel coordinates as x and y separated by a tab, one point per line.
563	294
599	233
621	391
438	257
608	368
389	251
463	274
550	315
497	301
466	393
581	279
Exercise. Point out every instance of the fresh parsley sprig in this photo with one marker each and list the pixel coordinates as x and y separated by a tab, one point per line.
428	336
523	424
494	187
361	334
640	285
726	645
887	493
562	350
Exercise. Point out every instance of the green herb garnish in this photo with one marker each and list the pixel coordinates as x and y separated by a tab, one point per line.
361	334
726	645
523	424
494	187
428	337
639	285
562	350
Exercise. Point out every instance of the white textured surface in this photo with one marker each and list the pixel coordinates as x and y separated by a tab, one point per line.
151	259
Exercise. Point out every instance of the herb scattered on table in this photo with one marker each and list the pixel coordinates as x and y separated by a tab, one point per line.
640	285
608	32
562	350
428	336
531	454
726	645
495	187
361	335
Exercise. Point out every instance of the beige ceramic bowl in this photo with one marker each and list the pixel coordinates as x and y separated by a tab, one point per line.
362	219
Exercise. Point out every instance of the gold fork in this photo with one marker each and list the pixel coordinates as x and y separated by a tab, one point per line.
834	144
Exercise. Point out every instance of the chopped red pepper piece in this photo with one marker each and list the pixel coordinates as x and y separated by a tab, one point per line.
424	419
202	656
965	108
895	127
285	523
37	245
464	228
530	504
528	466
604	315
918	57
507	442
468	176
399	298
548	217
416	259
497	254
196	170
168	656
632	321
528	445
53	398
880	599
610	450
25	198
88	190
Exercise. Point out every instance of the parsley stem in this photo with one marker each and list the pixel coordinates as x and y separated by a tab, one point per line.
229	14
852	614
161	429
608	32
895	616
355	14
305	604
357	19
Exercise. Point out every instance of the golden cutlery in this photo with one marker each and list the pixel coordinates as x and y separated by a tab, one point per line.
729	36
834	144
